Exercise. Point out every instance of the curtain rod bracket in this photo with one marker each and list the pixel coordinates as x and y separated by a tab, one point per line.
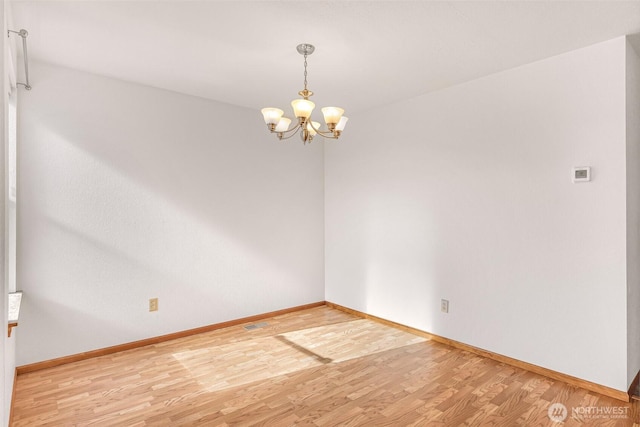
23	33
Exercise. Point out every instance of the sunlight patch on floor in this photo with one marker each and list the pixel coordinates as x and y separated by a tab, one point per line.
344	341
235	364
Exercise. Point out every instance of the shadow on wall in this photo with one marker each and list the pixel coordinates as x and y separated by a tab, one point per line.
128	193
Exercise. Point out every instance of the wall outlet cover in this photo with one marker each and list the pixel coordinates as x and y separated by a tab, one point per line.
444	305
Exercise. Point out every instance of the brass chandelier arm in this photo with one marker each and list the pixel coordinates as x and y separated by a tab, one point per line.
281	136
291	132
324	134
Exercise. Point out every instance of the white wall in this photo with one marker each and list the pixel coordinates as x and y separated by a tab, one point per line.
129	192
10	236
466	194
7	216
9	230
5	345
633	212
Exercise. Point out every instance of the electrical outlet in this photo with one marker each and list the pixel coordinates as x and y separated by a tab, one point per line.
153	304
444	305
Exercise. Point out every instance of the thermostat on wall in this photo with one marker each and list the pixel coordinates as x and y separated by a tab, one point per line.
581	174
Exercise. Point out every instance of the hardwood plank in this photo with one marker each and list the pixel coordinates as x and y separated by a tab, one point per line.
578	382
155	340
317	367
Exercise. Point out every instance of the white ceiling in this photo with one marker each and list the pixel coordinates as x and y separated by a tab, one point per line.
368	53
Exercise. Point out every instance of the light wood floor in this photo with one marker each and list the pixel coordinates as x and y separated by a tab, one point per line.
317	367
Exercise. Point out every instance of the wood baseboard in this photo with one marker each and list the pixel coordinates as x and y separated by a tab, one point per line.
601	389
155	340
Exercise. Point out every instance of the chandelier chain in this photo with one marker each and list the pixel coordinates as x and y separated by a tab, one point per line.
305	71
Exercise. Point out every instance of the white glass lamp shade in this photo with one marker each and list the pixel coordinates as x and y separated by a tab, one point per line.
302	107
272	115
342	123
332	115
311	130
283	125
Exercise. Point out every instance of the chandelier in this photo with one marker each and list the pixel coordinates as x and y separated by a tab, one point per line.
302	109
